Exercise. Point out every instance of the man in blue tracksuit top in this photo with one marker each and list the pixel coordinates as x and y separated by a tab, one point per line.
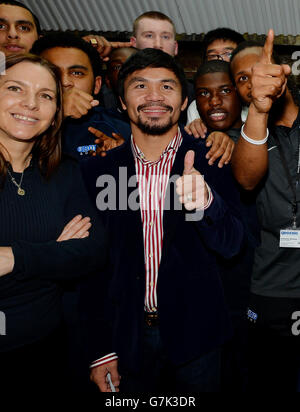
80	70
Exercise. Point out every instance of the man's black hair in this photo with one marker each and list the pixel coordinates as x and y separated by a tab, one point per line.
68	40
222	33
212	66
19	4
154	58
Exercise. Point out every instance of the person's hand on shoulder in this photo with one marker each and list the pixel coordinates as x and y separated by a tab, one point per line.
197	128
221	145
105	143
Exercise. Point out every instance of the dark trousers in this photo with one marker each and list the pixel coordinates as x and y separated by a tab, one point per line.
234	356
274	351
158	374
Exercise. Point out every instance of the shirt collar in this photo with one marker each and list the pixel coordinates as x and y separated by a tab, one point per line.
172	146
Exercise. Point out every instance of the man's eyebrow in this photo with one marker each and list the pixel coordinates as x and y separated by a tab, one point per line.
25	22
225	48
225	85
136	79
212	86
78	66
28	22
169	81
152	31
240	72
142	79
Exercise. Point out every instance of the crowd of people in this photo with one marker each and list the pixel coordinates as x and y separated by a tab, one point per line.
149	225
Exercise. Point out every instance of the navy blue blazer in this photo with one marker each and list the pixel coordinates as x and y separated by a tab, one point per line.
192	313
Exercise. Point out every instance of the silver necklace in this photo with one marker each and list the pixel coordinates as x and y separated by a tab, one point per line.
20	191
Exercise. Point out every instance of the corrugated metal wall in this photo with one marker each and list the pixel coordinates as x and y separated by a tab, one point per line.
190	16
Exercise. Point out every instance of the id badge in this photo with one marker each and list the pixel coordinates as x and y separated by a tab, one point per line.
290	238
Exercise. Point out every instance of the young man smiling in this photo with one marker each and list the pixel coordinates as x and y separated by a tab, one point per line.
218	44
266	158
217	100
80	69
220	108
161	305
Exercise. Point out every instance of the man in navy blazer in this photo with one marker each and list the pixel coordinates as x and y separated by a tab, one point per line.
160	323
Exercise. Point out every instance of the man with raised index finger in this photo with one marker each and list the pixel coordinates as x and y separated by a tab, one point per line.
158	316
266	158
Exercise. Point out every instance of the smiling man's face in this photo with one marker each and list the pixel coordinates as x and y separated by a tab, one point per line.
153	100
217	101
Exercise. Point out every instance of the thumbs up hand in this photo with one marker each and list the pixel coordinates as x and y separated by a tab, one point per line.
268	79
191	187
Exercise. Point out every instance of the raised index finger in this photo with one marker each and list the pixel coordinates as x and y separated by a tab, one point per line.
268	48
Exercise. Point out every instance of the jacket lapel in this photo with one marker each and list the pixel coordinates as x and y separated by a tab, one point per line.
127	188
173	210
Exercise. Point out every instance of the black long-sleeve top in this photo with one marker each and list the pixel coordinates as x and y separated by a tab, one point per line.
30	296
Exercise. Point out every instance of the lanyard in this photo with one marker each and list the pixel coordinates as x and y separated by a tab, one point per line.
289	177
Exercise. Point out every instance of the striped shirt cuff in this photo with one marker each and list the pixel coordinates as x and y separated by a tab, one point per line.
104	360
210	197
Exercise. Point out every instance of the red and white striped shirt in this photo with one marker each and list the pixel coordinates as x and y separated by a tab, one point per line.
153	178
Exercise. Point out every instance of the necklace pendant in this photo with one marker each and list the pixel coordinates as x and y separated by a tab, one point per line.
21	192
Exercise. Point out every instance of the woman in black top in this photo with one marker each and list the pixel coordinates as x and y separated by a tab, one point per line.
40	193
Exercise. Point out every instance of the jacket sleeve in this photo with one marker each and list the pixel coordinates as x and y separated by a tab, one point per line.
221	225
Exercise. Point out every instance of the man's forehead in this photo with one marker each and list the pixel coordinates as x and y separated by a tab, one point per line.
67	56
15	13
214	80
146	24
221	44
154	74
251	54
257	51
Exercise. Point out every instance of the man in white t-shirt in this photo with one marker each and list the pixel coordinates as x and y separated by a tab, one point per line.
218	44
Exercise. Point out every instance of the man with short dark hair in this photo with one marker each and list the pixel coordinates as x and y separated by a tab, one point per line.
217	100
266	158
19	27
158	315
220	107
109	92
218	44
80	69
